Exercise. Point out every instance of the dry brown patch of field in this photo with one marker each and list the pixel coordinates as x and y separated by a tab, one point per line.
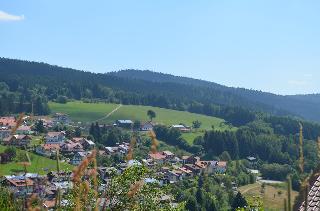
272	196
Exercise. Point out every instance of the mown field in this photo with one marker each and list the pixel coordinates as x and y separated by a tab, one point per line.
90	112
272	196
39	164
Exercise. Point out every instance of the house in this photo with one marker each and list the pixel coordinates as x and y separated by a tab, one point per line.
78	139
8	122
221	167
173	176
24	130
4	133
79	157
148	162
18	140
124	147
61	118
107	172
182	128
47	149
211	167
55	138
190	159
133	163
87	144
147	126
70	146
169	155
157	157
252	161
19	186
112	151
187	172
124	123
202	164
47	122
196	170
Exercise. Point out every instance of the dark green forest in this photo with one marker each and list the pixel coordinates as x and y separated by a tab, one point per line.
38	83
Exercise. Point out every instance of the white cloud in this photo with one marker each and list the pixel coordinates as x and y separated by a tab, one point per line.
8	17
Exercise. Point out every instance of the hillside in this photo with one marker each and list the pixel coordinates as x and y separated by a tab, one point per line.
25	80
91	112
306	106
39	164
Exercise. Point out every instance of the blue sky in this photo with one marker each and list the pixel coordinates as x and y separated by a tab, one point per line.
266	45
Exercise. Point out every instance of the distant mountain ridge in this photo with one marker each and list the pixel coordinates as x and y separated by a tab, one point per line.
154	89
306	106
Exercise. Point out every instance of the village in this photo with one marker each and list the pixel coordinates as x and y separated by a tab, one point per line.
23	133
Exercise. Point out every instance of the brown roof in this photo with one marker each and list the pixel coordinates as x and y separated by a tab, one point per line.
202	164
21	182
77	139
17	137
71	146
157	156
185	170
50	146
53	134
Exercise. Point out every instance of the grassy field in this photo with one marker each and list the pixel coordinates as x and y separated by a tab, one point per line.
90	112
272	196
39	164
189	137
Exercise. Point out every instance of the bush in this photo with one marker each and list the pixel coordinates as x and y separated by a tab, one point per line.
275	171
62	99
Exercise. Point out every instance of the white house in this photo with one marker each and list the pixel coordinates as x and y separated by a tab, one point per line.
182	128
47	149
24	130
55	138
78	158
147	126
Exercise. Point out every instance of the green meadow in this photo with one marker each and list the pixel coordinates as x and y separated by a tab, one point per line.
90	112
39	164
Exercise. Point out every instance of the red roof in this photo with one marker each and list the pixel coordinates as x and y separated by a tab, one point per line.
8	121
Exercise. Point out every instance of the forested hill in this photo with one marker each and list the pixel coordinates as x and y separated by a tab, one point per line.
25	82
307	106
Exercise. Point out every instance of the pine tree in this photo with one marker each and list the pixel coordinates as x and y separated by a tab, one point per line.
239	202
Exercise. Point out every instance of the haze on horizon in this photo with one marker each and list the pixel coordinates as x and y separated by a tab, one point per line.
267	45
